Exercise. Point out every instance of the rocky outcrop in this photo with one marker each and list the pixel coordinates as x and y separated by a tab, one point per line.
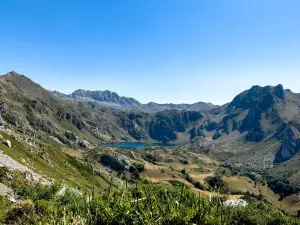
165	125
279	92
105	96
8	193
84	144
71	136
10	163
262	98
236	203
115	161
290	142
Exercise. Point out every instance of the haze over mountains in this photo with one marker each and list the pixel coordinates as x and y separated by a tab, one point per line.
112	99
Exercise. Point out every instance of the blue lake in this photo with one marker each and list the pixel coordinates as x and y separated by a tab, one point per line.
137	145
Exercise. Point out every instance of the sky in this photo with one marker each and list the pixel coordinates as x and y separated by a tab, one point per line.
179	51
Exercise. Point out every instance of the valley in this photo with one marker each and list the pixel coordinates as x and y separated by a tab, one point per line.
245	150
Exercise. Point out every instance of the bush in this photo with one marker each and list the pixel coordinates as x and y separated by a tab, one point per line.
283	187
217	184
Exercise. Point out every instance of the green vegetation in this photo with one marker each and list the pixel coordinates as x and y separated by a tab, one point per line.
50	161
283	187
145	204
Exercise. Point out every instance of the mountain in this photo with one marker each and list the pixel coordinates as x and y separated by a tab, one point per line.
112	99
106	96
28	106
260	123
256	135
258	129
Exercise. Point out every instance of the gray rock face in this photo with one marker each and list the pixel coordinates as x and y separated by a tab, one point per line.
279	92
115	161
105	96
114	100
84	144
71	136
290	142
258	97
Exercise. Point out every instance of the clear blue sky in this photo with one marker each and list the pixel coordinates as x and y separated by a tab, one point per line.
153	50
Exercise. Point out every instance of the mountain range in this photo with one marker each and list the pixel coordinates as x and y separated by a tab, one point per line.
112	99
259	128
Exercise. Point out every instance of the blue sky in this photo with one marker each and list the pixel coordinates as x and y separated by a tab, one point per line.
153	50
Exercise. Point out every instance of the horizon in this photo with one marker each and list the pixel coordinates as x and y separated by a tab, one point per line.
153	51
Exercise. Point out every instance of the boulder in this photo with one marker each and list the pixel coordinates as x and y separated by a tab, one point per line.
84	144
8	143
71	136
115	161
236	203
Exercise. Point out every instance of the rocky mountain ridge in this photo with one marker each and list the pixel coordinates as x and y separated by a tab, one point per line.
260	125
114	100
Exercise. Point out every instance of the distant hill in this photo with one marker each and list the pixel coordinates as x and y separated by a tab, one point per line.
112	99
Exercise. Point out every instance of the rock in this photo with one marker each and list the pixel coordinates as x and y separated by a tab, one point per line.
8	193
84	144
71	136
132	155
64	189
12	164
290	142
8	143
115	161
279	92
1	124
236	203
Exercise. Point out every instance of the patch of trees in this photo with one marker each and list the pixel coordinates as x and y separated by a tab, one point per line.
189	179
283	187
216	183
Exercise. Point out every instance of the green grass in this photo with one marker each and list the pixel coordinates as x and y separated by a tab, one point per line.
144	204
61	167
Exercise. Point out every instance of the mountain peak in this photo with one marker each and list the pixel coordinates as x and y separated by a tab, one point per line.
259	97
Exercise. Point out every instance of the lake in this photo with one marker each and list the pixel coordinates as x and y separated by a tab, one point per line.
137	145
